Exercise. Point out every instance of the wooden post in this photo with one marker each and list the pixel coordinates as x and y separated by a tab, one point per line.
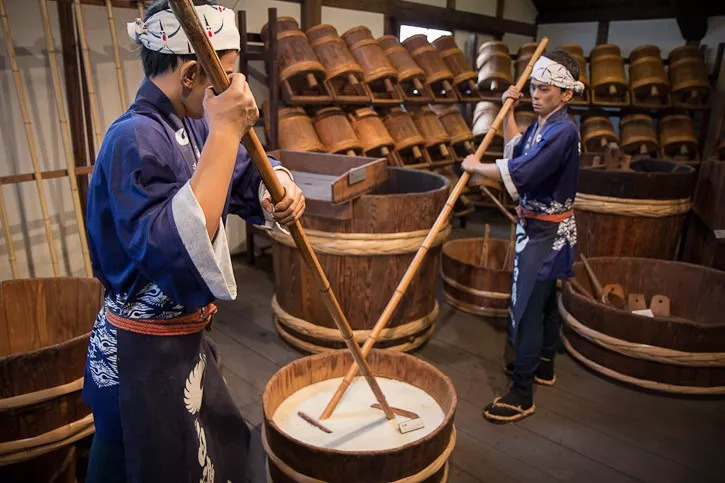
30	137
311	13
499	14
603	32
440	222
391	26
272	75
185	13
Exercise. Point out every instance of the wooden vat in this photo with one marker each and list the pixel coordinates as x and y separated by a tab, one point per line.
608	79
683	353
648	82
705	236
576	51
597	132
290	459
364	258
494	67
373	135
379	74
411	78
483	117
464	79
457	128
688	77
633	213
677	138
343	74
638	136
437	75
409	144
45	325
475	280
296	131
436	139
301	75
335	132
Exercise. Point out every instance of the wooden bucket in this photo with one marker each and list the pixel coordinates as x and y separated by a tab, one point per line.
597	132
648	80
411	78
494	67
576	51
364	258
464	78
523	57
677	137
378	72
296	61
57	466
608	78
296	131
342	71
470	286
437	75
524	118
636	213
688	76
46	324
681	354
423	460
638	135
336	133
456	127
435	137
408	141
483	117
371	132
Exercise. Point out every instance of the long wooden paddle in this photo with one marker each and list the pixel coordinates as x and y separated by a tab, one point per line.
437	226
207	57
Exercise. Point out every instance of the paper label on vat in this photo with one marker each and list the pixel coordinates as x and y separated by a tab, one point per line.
411	425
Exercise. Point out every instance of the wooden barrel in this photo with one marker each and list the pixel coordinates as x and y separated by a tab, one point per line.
597	132
647	76
494	66
638	136
683	353
400	58
371	132
402	129
523	57
455	126
334	54
422	460
524	118
46	326
296	131
483	117
335	132
677	137
576	51
57	466
364	258
472	284
427	57
368	53
608	77
295	57
430	127
688	74
636	213
457	63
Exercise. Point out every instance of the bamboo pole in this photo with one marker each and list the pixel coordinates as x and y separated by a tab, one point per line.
8	236
596	285
116	55
510	248
185	13
499	205
437	226
96	119
140	6
30	137
484	249
65	134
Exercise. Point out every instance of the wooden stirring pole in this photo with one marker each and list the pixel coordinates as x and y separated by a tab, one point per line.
207	57
437	226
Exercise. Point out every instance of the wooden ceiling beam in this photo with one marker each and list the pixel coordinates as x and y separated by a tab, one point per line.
619	13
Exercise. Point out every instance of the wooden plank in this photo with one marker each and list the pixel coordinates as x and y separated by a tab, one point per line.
5	348
247	364
311	13
57	173
241	391
603	32
458	475
263	341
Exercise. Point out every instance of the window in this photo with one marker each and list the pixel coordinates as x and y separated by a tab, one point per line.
432	34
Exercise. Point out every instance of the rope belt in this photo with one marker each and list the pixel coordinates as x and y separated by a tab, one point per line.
186	324
556	218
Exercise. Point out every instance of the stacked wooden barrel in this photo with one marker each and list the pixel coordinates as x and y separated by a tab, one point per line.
371	132
483	117
411	78
576	51
378	73
438	77
648	82
677	137
688	76
296	131
463	75
336	133
364	258
638	136
457	128
523	57
608	79
494	67
409	144
597	132
436	139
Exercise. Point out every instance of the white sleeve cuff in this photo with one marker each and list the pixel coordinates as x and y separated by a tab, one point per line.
263	192
503	168
508	150
212	260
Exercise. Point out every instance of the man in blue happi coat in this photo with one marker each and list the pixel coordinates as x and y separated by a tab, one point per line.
540	170
169	171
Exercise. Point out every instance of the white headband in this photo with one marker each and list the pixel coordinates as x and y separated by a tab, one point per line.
553	73
162	32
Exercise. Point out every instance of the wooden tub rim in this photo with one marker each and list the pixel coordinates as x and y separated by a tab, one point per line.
442	178
445	252
447	418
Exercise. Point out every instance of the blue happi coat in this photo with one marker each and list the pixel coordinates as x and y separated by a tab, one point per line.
150	249
540	170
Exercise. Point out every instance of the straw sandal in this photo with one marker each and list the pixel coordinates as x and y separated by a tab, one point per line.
501	411
544	374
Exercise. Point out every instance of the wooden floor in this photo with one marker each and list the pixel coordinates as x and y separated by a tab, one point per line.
586	428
